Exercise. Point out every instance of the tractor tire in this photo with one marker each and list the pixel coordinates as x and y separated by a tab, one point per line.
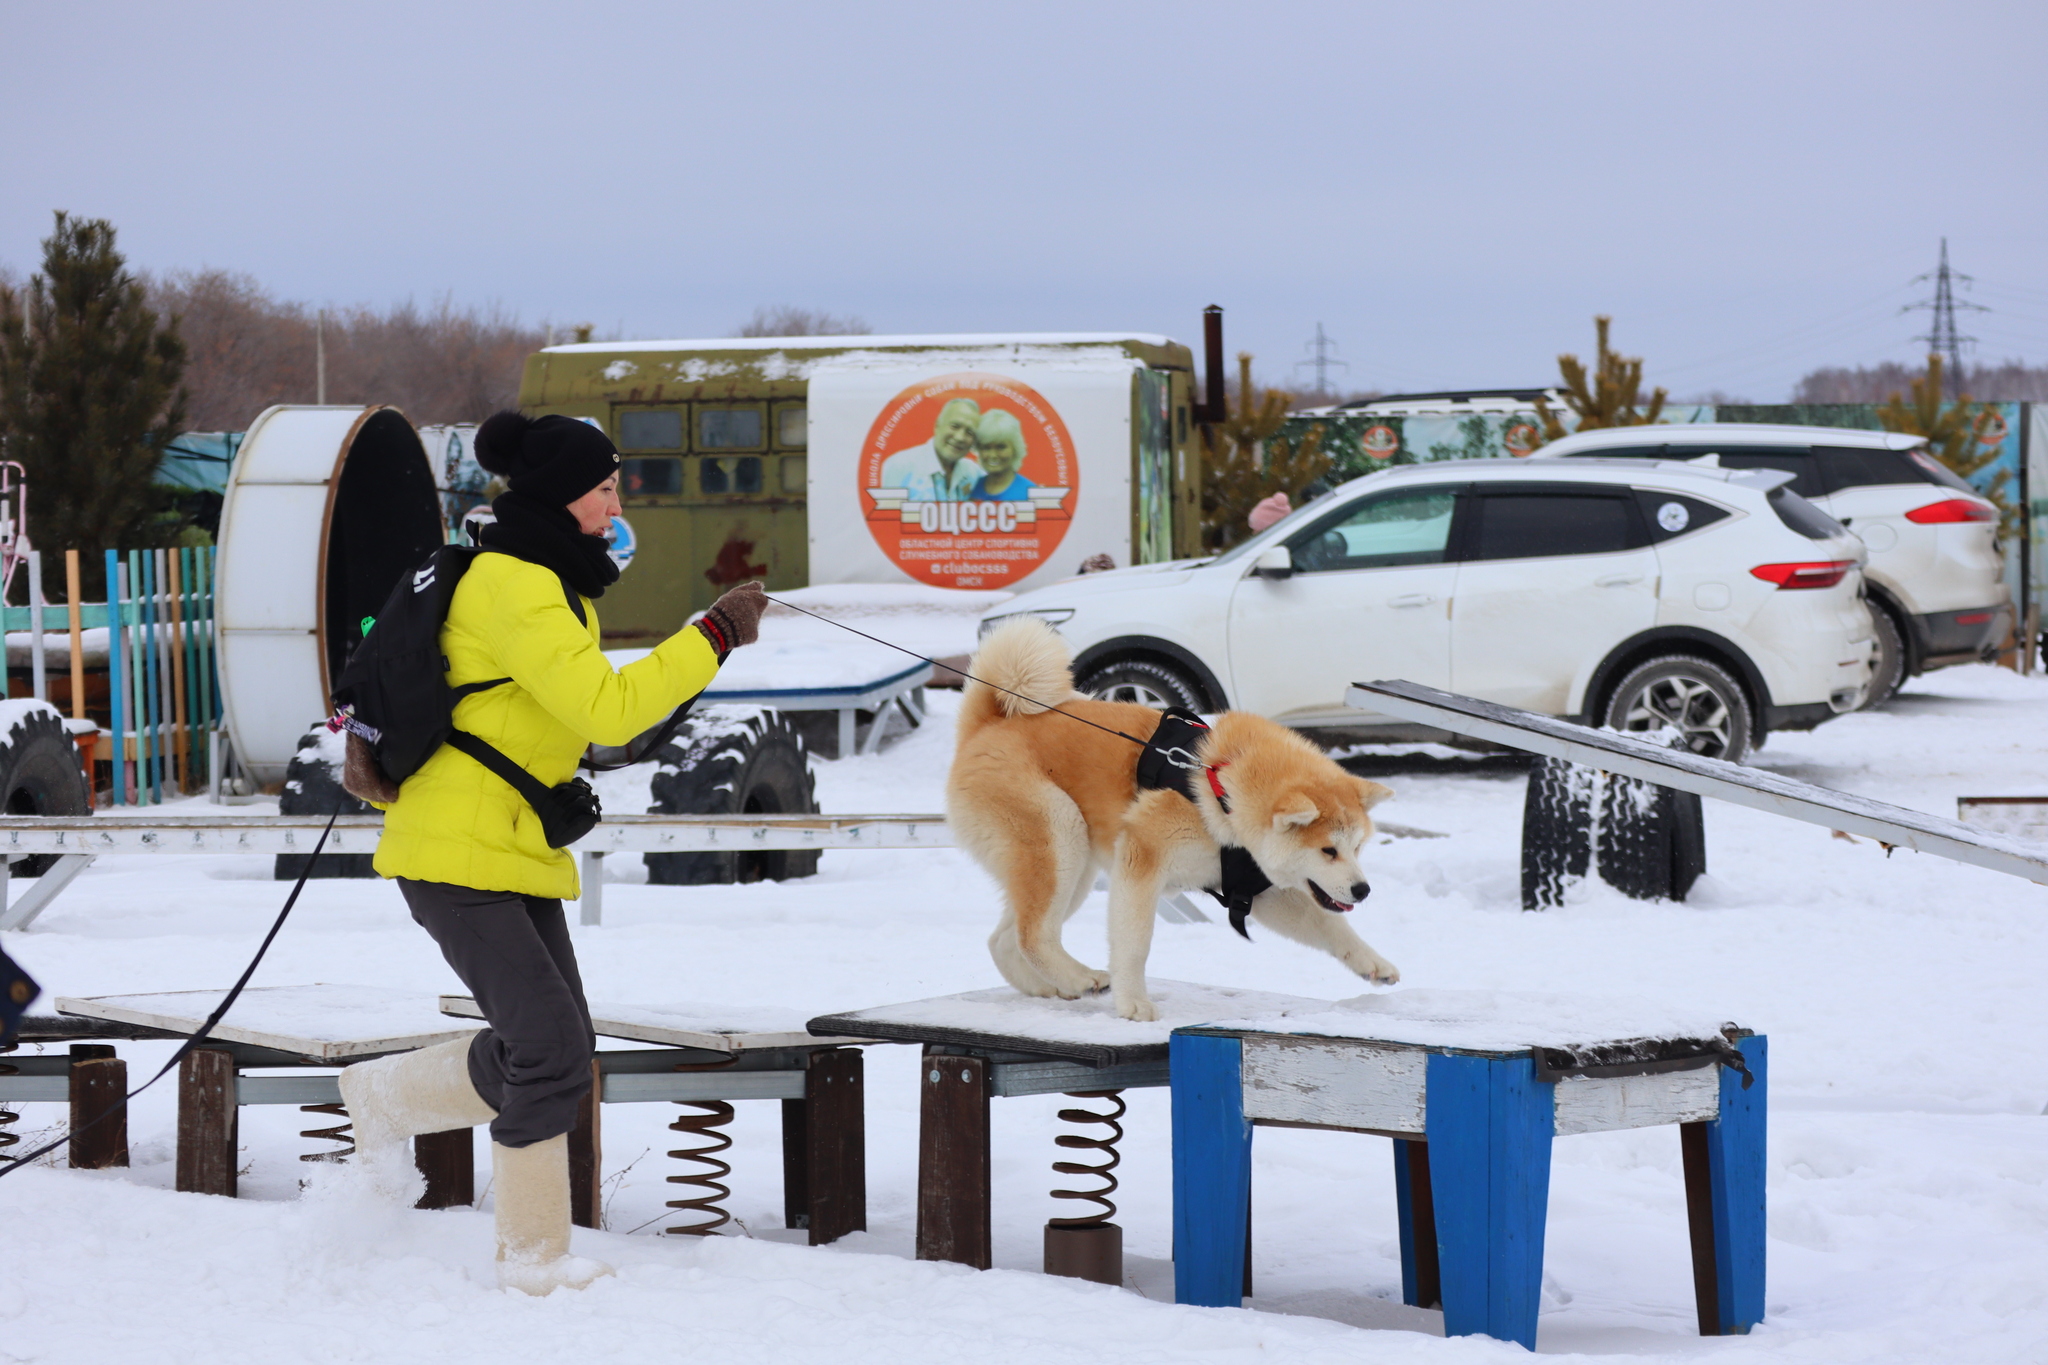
312	786
733	760
40	775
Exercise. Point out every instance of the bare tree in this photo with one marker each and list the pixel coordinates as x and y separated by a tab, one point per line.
787	321
250	350
2011	381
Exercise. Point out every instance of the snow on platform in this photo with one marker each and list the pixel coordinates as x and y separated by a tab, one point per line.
1495	1021
328	1022
713	1028
1088	1028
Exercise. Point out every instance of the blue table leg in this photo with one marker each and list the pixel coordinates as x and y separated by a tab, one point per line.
1489	1124
1212	1171
1726	1198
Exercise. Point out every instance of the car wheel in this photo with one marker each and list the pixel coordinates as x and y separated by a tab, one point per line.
1699	699
1146	682
1887	658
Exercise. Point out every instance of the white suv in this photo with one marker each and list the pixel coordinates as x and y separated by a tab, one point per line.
1936	586
1714	600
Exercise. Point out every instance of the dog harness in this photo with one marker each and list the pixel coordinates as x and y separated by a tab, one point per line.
1169	762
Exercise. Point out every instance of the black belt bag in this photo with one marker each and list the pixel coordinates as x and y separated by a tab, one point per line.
567	812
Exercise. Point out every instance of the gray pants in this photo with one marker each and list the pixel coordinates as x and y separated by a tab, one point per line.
513	952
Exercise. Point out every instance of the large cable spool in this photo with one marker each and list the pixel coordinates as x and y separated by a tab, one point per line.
326	508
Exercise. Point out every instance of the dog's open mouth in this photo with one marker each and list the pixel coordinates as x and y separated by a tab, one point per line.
1327	901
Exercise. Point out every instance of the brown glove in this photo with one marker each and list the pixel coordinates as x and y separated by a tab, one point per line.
735	618
362	778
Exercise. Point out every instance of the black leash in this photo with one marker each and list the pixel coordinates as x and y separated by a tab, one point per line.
199	1036
963	673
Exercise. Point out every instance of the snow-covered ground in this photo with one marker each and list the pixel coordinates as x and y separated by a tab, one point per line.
1908	1152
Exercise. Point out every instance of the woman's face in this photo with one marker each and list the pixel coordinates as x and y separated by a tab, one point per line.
999	455
594	510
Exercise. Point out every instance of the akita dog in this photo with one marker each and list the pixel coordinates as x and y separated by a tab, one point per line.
1043	801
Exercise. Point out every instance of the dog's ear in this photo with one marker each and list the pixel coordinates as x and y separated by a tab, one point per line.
1372	793
1301	811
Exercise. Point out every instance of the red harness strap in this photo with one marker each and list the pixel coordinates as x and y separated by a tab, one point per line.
1216	785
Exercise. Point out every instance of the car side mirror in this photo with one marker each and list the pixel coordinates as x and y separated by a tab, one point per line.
1275	561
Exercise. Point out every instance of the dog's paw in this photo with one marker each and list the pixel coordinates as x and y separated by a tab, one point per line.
1084	983
1140	1010
1377	970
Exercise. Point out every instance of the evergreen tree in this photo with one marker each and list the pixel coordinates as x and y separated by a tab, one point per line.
1607	397
1954	433
1246	460
89	397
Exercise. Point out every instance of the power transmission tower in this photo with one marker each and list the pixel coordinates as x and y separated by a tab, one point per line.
1941	337
1321	359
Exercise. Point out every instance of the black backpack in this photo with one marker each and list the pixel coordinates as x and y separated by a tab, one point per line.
394	695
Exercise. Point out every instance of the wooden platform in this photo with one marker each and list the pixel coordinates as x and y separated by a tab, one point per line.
708	1028
319	1023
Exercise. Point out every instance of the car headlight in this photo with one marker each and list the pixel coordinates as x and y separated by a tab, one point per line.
1052	616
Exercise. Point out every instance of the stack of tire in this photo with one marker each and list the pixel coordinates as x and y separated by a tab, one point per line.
733	760
40	774
312	786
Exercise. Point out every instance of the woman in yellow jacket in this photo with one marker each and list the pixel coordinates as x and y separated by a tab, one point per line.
469	853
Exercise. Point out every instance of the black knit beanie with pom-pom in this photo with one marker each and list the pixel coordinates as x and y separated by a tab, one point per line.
552	459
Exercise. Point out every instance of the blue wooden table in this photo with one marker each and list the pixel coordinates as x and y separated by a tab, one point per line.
1472	1127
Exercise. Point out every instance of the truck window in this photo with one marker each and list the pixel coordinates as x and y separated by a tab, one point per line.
729	429
650	429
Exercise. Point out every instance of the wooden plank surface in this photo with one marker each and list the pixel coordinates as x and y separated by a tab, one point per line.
448	1161
835	1181
711	1028
586	1154
1334	1083
1604	1104
324	1022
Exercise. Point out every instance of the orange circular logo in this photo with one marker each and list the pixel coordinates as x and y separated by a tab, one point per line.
1380	442
968	480
1518	438
1994	429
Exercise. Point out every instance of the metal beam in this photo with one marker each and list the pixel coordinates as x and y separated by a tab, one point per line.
22	835
1731	782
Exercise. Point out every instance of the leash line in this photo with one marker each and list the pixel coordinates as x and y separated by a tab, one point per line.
204	1030
962	672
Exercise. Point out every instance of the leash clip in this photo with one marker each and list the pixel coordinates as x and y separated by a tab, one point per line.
1193	764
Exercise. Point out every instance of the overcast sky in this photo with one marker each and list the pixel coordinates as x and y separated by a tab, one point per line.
1451	190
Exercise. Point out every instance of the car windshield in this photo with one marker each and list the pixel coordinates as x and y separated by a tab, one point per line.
1281	529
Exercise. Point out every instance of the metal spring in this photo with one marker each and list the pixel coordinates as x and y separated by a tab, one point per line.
8	1118
343	1133
704	1124
1088	1142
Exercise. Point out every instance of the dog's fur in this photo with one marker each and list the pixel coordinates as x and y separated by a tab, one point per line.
1043	801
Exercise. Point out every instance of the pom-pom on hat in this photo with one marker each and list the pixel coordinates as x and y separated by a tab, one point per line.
554	459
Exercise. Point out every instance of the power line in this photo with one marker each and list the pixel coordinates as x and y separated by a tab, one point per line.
1941	337
1321	359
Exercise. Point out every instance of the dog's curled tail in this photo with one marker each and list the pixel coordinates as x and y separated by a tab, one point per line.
1023	658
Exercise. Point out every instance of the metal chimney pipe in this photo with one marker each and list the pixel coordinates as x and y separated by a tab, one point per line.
1212	408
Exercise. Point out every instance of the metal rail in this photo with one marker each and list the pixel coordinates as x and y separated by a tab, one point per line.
78	839
1731	782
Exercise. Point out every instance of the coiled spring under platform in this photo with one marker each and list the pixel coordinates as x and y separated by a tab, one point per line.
1104	1145
342	1133
705	1123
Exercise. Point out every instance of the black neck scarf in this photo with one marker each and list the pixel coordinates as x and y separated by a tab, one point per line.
545	534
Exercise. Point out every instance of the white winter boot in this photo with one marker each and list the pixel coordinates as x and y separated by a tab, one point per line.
396	1098
533	1219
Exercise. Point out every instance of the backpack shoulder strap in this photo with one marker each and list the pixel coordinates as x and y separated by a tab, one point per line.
575	603
486	753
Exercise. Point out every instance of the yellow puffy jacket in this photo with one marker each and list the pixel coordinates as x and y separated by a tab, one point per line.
456	821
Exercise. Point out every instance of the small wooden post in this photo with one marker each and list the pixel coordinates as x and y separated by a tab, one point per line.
586	1154
953	1161
71	591
824	1149
448	1161
99	1083
1724	1196
208	1122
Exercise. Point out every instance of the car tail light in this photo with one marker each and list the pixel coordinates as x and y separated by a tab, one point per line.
1822	573
1953	509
